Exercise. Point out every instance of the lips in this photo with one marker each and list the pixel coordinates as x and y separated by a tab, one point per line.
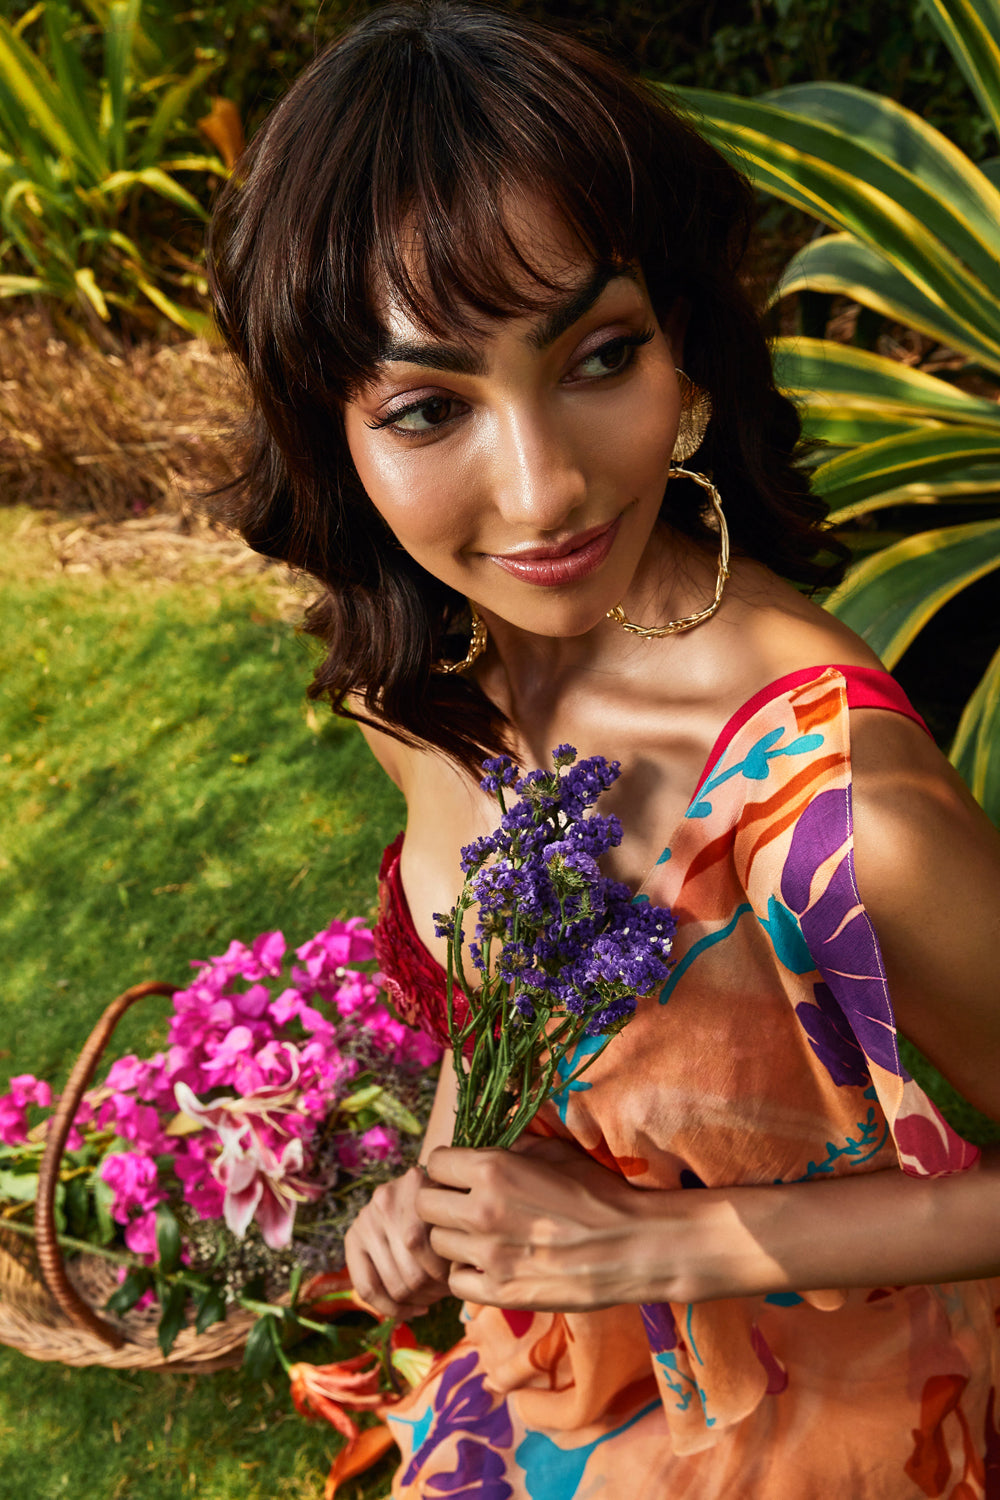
565	563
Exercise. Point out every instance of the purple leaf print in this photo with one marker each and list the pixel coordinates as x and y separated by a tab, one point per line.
837	929
832	1039
479	1476
661	1330
464	1406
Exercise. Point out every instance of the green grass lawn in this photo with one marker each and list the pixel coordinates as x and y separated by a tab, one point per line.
165	789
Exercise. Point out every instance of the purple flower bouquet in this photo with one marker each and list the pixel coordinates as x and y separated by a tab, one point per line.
229	1165
562	951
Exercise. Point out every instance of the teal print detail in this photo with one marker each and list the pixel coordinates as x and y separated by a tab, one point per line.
782	927
565	1069
708	941
690	1336
421	1427
755	765
685	1393
784	1299
554	1473
856	1150
664	857
641	900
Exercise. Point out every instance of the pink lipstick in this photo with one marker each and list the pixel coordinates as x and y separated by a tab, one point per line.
565	563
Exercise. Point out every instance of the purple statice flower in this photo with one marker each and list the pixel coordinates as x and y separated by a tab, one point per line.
556	940
500	772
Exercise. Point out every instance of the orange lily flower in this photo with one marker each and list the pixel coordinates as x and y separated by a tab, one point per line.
332	1391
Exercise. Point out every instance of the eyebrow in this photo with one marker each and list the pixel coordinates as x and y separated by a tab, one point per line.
462	359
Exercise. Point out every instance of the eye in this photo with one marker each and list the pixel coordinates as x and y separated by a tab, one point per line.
419	417
613	357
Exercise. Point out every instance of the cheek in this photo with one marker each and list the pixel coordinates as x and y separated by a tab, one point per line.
413	498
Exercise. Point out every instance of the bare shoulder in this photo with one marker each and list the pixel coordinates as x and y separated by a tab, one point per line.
393	756
928	869
772	629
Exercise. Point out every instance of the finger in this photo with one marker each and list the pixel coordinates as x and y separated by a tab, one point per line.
456	1166
453	1246
443	1206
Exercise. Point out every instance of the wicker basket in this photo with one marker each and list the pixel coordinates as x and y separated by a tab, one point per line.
47	1305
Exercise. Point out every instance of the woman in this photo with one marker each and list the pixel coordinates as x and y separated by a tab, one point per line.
485	291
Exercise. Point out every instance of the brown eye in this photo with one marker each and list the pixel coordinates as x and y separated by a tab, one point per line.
423	417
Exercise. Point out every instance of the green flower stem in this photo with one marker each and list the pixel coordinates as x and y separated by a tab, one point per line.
83	1247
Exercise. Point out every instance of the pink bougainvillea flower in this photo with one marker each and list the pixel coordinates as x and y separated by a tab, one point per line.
25	1088
140	1235
13	1121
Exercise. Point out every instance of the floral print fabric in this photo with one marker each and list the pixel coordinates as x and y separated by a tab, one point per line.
769	1056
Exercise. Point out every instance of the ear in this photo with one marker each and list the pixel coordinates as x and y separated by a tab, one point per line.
673	325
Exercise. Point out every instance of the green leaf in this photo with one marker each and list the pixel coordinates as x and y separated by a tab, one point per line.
825	172
900	152
975	753
77	109
87	283
168	1240
172	104
19	1187
971	29
210	1307
912	457
159	182
198	323
122	18
842	375
260	1355
840	264
78	1207
889	598
34	91
136	1283
387	1107
172	1318
103	1197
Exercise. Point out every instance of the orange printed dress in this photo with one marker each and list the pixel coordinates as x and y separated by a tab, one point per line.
770	1056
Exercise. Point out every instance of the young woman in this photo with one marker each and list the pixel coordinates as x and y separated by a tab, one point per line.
512	410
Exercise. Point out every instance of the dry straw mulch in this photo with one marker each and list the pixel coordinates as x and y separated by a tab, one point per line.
113	435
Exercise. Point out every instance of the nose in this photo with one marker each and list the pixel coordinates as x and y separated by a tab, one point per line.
538	473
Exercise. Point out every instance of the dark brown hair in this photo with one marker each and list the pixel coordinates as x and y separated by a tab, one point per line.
422	118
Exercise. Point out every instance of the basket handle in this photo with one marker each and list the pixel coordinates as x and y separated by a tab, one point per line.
61	1122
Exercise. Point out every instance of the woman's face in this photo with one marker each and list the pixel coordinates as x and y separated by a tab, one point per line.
525	465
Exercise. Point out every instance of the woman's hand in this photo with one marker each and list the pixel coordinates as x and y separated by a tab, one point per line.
389	1256
543	1226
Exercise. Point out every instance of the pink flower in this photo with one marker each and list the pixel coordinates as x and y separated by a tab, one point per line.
261	1174
133	1181
140	1235
27	1089
13	1121
265	1185
380	1143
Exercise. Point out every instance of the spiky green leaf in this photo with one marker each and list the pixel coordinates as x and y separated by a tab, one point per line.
889	597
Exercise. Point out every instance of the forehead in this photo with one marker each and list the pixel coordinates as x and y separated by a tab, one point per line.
529	261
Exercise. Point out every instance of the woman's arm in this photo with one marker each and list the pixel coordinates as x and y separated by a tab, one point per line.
550	1228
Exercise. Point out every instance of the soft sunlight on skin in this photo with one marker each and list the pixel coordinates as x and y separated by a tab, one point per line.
478	455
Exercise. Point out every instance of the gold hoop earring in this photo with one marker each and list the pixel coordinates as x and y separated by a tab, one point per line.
688	622
477	645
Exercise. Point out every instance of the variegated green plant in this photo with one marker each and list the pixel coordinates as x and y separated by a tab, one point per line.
916	238
76	158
